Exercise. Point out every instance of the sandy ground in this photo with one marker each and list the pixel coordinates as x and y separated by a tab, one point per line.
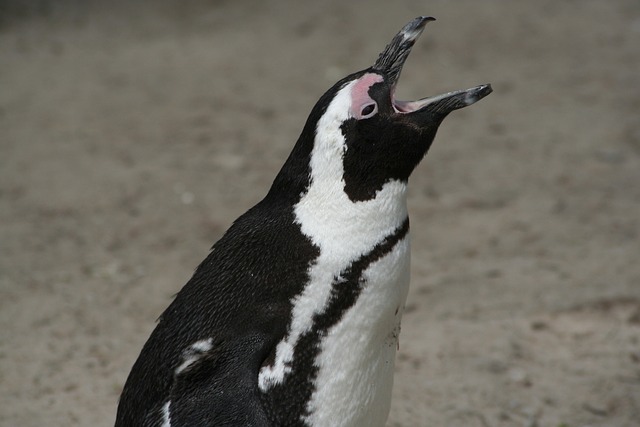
132	134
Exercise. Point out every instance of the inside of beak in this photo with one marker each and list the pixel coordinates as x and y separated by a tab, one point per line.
444	103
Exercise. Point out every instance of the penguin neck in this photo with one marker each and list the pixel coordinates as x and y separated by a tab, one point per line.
328	216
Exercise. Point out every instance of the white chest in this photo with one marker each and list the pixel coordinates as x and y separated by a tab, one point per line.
356	361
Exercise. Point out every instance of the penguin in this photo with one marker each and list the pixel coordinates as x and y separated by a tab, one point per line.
293	317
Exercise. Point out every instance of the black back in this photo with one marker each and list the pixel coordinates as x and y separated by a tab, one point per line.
240	296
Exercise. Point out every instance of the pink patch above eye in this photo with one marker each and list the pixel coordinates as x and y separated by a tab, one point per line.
360	93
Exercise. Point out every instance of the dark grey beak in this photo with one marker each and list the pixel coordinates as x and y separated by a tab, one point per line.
448	102
390	64
392	58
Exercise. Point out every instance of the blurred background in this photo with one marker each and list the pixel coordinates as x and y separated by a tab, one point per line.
132	133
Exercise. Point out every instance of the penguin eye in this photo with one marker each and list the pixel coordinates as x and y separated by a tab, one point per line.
369	110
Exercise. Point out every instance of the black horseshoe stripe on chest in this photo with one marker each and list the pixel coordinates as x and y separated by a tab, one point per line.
296	390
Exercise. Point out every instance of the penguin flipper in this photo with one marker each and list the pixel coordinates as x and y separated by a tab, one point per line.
210	388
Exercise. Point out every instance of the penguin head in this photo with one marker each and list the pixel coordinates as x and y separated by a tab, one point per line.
359	134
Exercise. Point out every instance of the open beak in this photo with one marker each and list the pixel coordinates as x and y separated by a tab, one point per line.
392	59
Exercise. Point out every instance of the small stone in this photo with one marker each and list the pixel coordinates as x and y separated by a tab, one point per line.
519	376
539	325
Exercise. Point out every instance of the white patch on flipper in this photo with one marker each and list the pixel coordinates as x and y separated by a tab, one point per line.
343	230
190	355
193	353
166	416
357	357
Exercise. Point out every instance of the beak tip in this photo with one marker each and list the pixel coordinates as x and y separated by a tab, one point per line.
476	94
413	29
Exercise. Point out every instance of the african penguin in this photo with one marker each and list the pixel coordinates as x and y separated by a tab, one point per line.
293	317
